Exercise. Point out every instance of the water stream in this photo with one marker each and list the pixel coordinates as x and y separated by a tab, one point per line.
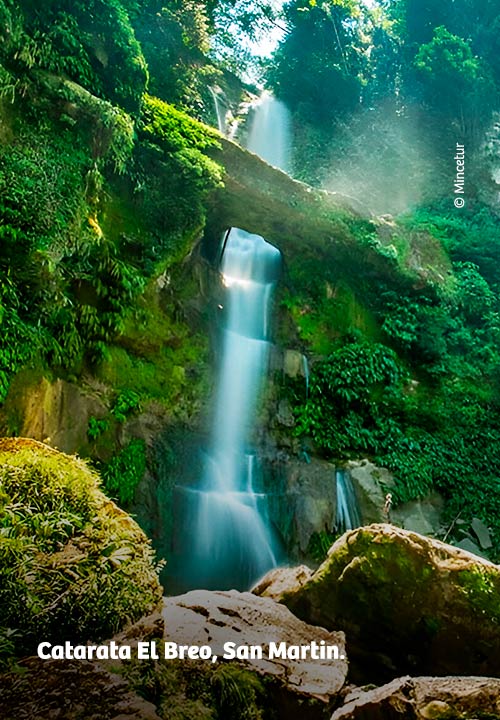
219	111
347	516
270	134
305	368
232	542
228	540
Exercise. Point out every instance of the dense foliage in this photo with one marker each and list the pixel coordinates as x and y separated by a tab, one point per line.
387	91
106	180
72	566
93	44
424	401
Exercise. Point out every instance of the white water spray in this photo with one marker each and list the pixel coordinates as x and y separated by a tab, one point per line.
305	368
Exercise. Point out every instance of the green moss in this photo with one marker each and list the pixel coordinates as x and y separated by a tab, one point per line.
482	589
324	319
158	358
196	691
72	566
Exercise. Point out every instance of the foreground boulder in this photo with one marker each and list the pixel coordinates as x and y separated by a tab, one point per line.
425	698
407	603
73	566
216	618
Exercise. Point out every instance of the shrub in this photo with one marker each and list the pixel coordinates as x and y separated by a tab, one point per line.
125	471
72	565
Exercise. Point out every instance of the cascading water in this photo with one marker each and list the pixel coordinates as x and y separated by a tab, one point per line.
347	515
232	543
219	111
270	135
305	368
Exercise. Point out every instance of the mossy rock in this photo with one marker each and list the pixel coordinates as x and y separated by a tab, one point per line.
407	603
73	566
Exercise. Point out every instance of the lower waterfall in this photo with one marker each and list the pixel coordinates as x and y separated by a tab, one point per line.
232	543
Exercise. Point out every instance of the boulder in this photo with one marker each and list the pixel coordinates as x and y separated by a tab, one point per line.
407	603
282	580
422	516
425	698
69	690
293	363
201	617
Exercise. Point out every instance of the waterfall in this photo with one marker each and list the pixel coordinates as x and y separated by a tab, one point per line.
219	112
232	544
305	367
270	132
347	515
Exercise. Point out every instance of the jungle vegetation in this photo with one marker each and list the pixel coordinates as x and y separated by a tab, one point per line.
105	185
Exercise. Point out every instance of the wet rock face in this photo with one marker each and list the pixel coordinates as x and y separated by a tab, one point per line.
425	698
69	690
216	618
369	484
302	500
407	603
53	412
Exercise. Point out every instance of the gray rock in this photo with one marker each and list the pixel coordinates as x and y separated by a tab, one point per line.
214	618
311	499
371	484
293	363
282	580
421	516
407	603
425	698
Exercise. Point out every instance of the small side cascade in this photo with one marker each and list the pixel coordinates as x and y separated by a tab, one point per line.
347	516
219	111
305	368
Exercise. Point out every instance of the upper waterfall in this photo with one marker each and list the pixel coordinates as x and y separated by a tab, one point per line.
270	135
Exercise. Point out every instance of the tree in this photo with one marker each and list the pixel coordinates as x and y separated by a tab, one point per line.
318	66
456	84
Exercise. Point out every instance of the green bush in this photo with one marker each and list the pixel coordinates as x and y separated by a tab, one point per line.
124	471
72	565
353	396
